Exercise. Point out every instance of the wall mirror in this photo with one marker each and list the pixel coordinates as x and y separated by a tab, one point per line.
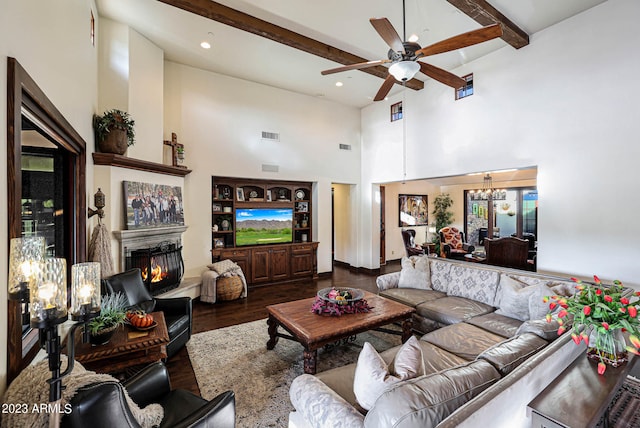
46	162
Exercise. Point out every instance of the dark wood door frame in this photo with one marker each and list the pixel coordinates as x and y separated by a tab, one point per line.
24	97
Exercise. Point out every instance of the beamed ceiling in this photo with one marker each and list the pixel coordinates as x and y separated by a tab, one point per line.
287	43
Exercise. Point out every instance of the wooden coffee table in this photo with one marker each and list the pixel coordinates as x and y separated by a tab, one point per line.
127	348
314	331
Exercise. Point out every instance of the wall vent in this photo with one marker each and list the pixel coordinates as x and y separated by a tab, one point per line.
345	146
270	168
270	136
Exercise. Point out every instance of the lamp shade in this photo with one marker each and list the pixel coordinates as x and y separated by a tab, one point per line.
24	255
85	291
404	70
48	293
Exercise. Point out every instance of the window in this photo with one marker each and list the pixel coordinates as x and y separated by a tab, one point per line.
466	90
396	111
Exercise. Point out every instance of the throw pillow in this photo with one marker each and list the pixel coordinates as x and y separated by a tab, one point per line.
514	298
537	308
415	273
223	266
373	377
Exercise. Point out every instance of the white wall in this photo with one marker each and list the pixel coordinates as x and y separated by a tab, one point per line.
566	103
51	41
219	119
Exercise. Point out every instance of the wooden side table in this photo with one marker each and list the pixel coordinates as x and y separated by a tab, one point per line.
128	347
579	397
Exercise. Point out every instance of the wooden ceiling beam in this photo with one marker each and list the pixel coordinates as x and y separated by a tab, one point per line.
242	21
485	14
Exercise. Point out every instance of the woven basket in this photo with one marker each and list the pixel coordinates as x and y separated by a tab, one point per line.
228	288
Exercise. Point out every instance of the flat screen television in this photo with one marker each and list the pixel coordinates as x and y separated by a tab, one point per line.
259	226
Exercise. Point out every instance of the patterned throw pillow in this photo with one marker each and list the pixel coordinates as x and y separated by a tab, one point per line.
415	273
440	275
373	377
473	283
223	266
452	237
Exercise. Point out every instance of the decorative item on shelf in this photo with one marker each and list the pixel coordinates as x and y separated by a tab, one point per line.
300	195
305	221
114	131
336	302
600	315
173	153
180	154
112	315
225	224
44	281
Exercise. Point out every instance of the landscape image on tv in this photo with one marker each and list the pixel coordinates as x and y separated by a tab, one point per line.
255	226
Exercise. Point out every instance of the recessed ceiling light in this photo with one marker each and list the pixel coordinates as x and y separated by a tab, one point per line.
339	84
205	45
413	38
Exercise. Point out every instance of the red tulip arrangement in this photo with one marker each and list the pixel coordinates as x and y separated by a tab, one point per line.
599	312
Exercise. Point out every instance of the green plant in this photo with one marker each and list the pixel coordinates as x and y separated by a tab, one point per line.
114	119
113	312
442	216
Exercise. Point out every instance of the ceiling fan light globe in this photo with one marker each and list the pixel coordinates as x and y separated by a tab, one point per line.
404	70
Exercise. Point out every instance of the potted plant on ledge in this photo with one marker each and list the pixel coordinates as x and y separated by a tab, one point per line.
114	131
113	312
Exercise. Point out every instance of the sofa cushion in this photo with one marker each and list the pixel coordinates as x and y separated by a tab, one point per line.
540	327
513	297
427	400
464	340
439	271
473	283
509	354
437	359
412	296
497	324
373	376
451	310
415	273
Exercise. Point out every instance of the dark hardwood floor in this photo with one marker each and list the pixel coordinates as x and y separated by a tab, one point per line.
224	314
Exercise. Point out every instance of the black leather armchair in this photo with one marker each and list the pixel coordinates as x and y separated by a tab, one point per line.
177	311
408	236
453	244
103	404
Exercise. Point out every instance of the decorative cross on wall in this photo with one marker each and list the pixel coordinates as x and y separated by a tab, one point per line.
175	146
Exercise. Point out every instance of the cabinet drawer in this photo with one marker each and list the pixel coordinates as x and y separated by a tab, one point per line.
228	254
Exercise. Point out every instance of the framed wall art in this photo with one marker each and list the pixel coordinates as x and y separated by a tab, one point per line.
149	205
413	210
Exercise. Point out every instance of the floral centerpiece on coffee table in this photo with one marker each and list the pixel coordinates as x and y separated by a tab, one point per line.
601	314
333	301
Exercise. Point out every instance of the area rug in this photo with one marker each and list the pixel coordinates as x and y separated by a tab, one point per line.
624	410
236	358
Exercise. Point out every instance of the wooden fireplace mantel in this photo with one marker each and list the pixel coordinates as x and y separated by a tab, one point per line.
110	159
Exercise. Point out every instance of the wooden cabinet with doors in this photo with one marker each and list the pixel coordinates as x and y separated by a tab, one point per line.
266	226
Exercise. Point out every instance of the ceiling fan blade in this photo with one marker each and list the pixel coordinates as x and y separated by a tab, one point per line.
357	66
442	76
462	40
388	33
385	88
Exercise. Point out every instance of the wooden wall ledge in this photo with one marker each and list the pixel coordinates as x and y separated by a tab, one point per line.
111	159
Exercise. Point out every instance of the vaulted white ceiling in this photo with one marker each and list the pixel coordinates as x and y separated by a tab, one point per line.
342	24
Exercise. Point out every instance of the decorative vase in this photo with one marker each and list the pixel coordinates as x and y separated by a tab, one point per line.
608	347
114	142
103	336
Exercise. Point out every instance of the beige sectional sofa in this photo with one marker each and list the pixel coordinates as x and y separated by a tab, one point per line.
478	324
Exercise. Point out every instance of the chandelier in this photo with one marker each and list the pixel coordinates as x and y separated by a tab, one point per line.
488	192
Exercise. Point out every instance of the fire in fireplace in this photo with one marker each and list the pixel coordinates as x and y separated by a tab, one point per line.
162	267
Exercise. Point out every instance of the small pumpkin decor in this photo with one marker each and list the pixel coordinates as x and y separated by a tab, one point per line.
141	320
114	131
112	315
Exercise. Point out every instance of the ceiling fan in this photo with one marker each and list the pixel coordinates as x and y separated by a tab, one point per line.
404	55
